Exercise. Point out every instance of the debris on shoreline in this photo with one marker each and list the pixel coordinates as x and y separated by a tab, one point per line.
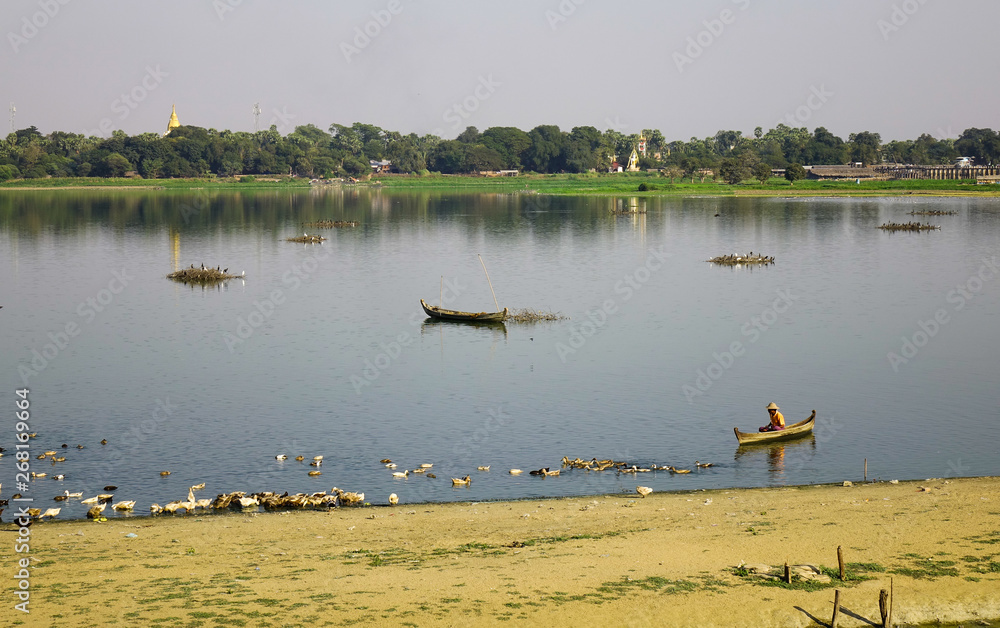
933	212
528	315
305	238
331	224
203	275
907	226
735	259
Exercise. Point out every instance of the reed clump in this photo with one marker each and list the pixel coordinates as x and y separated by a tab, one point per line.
529	315
735	259
907	226
202	275
306	239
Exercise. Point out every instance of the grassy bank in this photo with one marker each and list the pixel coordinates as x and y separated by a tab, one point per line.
622	184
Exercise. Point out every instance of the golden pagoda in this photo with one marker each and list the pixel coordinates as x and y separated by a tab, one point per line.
174	122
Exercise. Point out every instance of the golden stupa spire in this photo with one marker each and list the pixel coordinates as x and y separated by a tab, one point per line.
174	122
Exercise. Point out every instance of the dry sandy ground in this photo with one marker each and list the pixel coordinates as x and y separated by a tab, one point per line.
665	560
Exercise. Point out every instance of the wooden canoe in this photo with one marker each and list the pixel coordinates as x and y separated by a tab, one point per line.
802	428
468	317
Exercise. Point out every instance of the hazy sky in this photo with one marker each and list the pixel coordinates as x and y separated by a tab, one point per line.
896	67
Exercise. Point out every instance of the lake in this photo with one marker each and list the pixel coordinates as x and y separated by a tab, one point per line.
324	350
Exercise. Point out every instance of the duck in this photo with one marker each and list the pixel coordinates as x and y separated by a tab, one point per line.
315	473
431	475
50	512
318	458
171	507
111	487
466	481
60	498
68	494
104	441
402	474
538	471
315	463
419	470
390	465
59	459
673	470
427	465
155	509
385	460
59	477
38	475
547	472
164	473
95	511
703	465
643	490
281	457
124	505
198	487
89	500
203	503
50	453
483	468
300	458
515	472
393	499
34	512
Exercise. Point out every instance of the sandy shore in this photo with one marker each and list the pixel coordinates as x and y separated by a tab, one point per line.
663	560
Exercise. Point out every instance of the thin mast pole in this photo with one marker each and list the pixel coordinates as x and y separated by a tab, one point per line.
488	281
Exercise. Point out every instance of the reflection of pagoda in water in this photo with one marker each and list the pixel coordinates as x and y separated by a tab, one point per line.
175	249
174	122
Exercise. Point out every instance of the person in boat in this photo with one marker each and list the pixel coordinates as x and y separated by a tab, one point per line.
777	419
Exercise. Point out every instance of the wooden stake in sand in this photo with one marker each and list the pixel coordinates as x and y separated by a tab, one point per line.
840	561
885	605
866	469
488	281
788	573
836	608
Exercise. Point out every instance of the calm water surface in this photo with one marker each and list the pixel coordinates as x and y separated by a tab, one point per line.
323	349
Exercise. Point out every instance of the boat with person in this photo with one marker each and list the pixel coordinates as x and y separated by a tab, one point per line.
802	428
469	317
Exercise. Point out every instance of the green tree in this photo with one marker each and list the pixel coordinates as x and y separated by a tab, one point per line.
983	145
761	171
733	171
865	147
115	165
794	172
509	141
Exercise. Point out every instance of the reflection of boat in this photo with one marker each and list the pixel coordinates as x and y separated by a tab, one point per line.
796	430
469	317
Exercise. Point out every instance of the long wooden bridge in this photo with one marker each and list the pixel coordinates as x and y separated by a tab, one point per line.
936	172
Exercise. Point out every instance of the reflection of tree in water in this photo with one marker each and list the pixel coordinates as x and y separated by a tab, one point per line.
782	459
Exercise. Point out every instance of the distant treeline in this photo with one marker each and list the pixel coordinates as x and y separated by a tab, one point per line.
309	151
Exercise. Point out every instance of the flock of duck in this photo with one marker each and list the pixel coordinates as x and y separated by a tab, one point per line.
336	497
907	226
332	224
735	259
307	239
